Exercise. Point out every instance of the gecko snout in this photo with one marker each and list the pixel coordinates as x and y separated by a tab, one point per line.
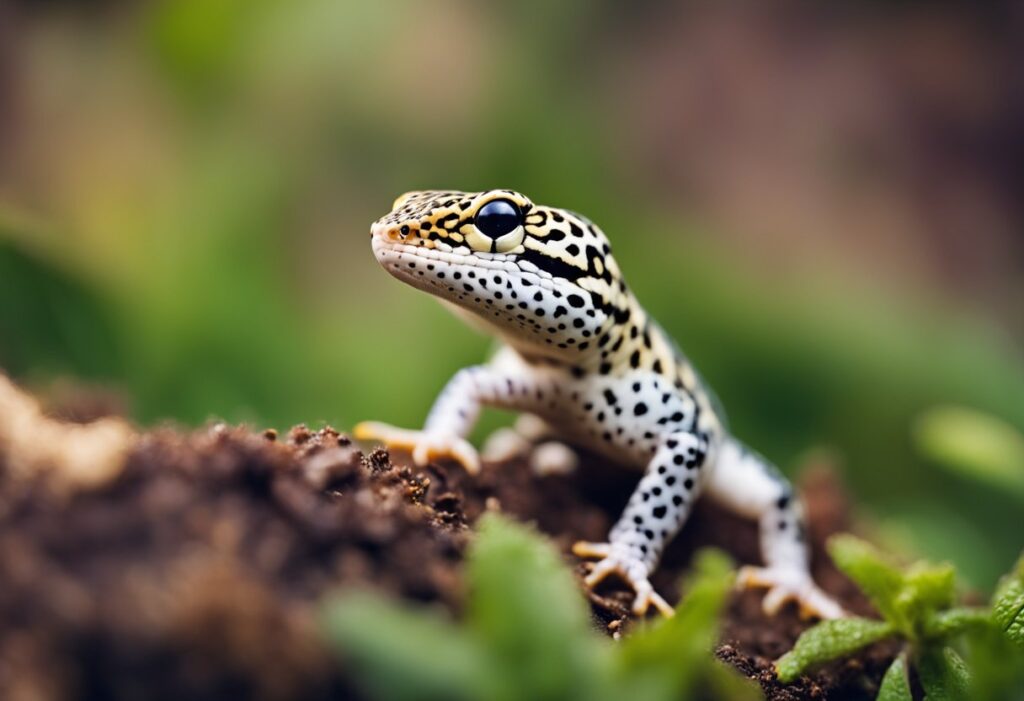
393	232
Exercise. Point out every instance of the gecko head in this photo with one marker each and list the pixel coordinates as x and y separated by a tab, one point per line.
541	278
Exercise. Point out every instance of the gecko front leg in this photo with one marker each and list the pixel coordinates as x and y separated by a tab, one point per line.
657	510
455	413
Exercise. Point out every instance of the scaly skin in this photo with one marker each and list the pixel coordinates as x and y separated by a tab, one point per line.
583	355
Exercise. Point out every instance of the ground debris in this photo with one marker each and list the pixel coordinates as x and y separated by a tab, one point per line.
195	570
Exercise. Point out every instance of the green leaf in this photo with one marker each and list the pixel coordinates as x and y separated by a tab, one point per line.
528	611
895	684
949	623
1008	604
997	665
51	321
830	640
975	444
672	657
926	589
943	675
881	581
404	653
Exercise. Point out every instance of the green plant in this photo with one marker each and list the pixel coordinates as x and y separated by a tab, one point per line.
1008	605
527	634
973	444
917	605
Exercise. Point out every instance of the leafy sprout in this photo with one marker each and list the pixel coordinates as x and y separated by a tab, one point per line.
527	634
917	605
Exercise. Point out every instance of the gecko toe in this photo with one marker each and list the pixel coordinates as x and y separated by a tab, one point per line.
786	585
424	446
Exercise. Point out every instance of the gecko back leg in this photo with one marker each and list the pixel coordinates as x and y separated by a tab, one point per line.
748	484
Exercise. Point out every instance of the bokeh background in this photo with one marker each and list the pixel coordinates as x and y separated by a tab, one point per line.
820	201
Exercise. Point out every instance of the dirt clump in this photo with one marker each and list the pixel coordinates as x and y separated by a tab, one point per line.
197	568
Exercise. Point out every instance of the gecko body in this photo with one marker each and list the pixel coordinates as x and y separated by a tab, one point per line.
580	353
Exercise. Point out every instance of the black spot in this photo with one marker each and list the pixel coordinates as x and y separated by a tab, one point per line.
538	296
677	500
610	397
634	359
640	409
636	386
649	534
572	249
688	483
575	300
677	459
659	511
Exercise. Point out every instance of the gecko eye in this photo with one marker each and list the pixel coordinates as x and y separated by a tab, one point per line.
497	218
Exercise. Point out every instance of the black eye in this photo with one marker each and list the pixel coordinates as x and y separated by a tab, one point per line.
497	218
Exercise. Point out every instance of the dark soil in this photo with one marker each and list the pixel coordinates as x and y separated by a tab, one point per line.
196	571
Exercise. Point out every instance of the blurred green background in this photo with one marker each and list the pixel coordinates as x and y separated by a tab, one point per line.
819	203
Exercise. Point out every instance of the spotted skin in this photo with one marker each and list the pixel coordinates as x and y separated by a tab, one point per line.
581	353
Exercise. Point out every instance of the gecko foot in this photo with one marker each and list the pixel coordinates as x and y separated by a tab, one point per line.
617	560
789	584
424	446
